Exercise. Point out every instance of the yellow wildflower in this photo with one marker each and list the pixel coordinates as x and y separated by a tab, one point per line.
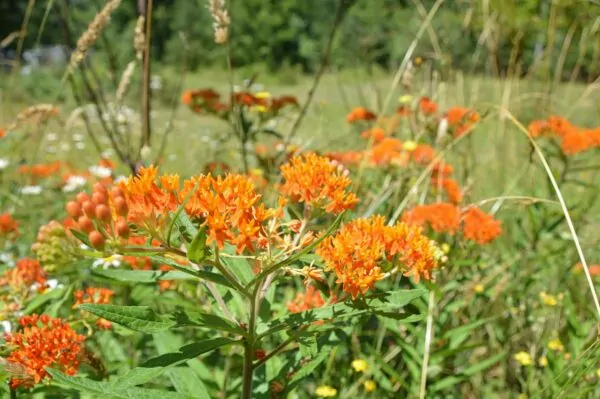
325	391
405	99
524	358
522	396
543	362
359	365
549	300
257	171
445	248
410	145
598	373
370	385
260	108
262	94
556	345
479	288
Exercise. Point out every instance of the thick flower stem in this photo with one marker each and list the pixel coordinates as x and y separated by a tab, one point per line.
249	345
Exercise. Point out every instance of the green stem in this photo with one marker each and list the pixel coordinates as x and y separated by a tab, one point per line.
249	345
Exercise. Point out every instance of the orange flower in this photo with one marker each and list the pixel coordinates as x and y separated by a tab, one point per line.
539	128
311	299
8	225
148	201
44	342
248	99
403	110
560	126
443	218
423	154
427	106
360	114
385	151
576	141
461	119
480	227
453	190
26	274
41	170
280	102
95	296
346	158
317	181
358	251
376	133
229	208
2	132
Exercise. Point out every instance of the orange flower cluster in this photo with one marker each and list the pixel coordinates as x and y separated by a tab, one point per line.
149	201
318	181
26	274
8	225
360	249
311	299
208	100
476	225
360	114
101	216
461	120
229	207
44	342
41	170
442	179
443	218
376	134
96	296
574	139
479	226
427	106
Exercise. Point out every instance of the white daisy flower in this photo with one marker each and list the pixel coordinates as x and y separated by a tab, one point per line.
111	261
74	183
6	326
3	163
100	171
31	190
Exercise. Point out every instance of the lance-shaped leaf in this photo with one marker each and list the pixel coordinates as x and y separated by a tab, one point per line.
141	276
137	318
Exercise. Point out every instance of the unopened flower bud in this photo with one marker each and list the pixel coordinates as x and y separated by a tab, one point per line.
121	206
99	198
74	209
122	229
97	240
103	213
85	224
116	192
99	188
82	197
89	209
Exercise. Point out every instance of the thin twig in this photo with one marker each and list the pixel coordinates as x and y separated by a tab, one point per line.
146	126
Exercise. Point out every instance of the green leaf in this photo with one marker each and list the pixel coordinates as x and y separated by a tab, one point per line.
385	304
179	212
187	352
141	276
81	236
41	299
56	306
198	251
185	227
187	382
106	389
484	364
200	274
198	319
137	318
156	366
304	371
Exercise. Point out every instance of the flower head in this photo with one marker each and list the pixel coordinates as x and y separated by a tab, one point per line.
443	217
362	247
556	345
370	385
480	227
523	358
44	342
319	182
26	274
427	106
325	391
311	299
360	114
8	225
360	365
